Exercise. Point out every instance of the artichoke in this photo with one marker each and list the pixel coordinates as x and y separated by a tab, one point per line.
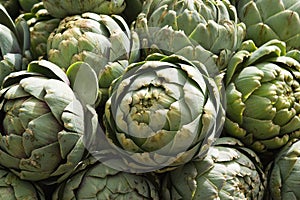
271	19
92	38
161	113
61	9
41	25
14	44
13	188
100	182
207	31
284	173
229	171
41	124
262	93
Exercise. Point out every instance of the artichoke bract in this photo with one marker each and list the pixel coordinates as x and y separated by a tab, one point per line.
106	77
284	173
267	19
229	171
161	113
207	31
41	124
41	25
14	44
13	188
61	9
262	93
92	38
101	182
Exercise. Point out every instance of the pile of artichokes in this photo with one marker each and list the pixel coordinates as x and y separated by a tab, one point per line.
150	99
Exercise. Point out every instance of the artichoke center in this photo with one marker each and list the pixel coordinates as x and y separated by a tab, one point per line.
146	101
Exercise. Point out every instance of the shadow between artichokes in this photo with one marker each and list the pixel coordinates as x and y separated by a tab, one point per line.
12	7
161	113
62	9
27	5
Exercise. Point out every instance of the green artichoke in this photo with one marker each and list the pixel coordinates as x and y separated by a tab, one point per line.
41	124
284	173
92	38
61	9
229	171
207	31
263	96
41	25
161	113
100	182
13	188
14	44
271	19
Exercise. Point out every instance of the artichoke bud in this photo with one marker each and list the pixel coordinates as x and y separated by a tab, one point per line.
264	23
228	163
172	26
28	99
163	110
118	184
94	39
262	96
